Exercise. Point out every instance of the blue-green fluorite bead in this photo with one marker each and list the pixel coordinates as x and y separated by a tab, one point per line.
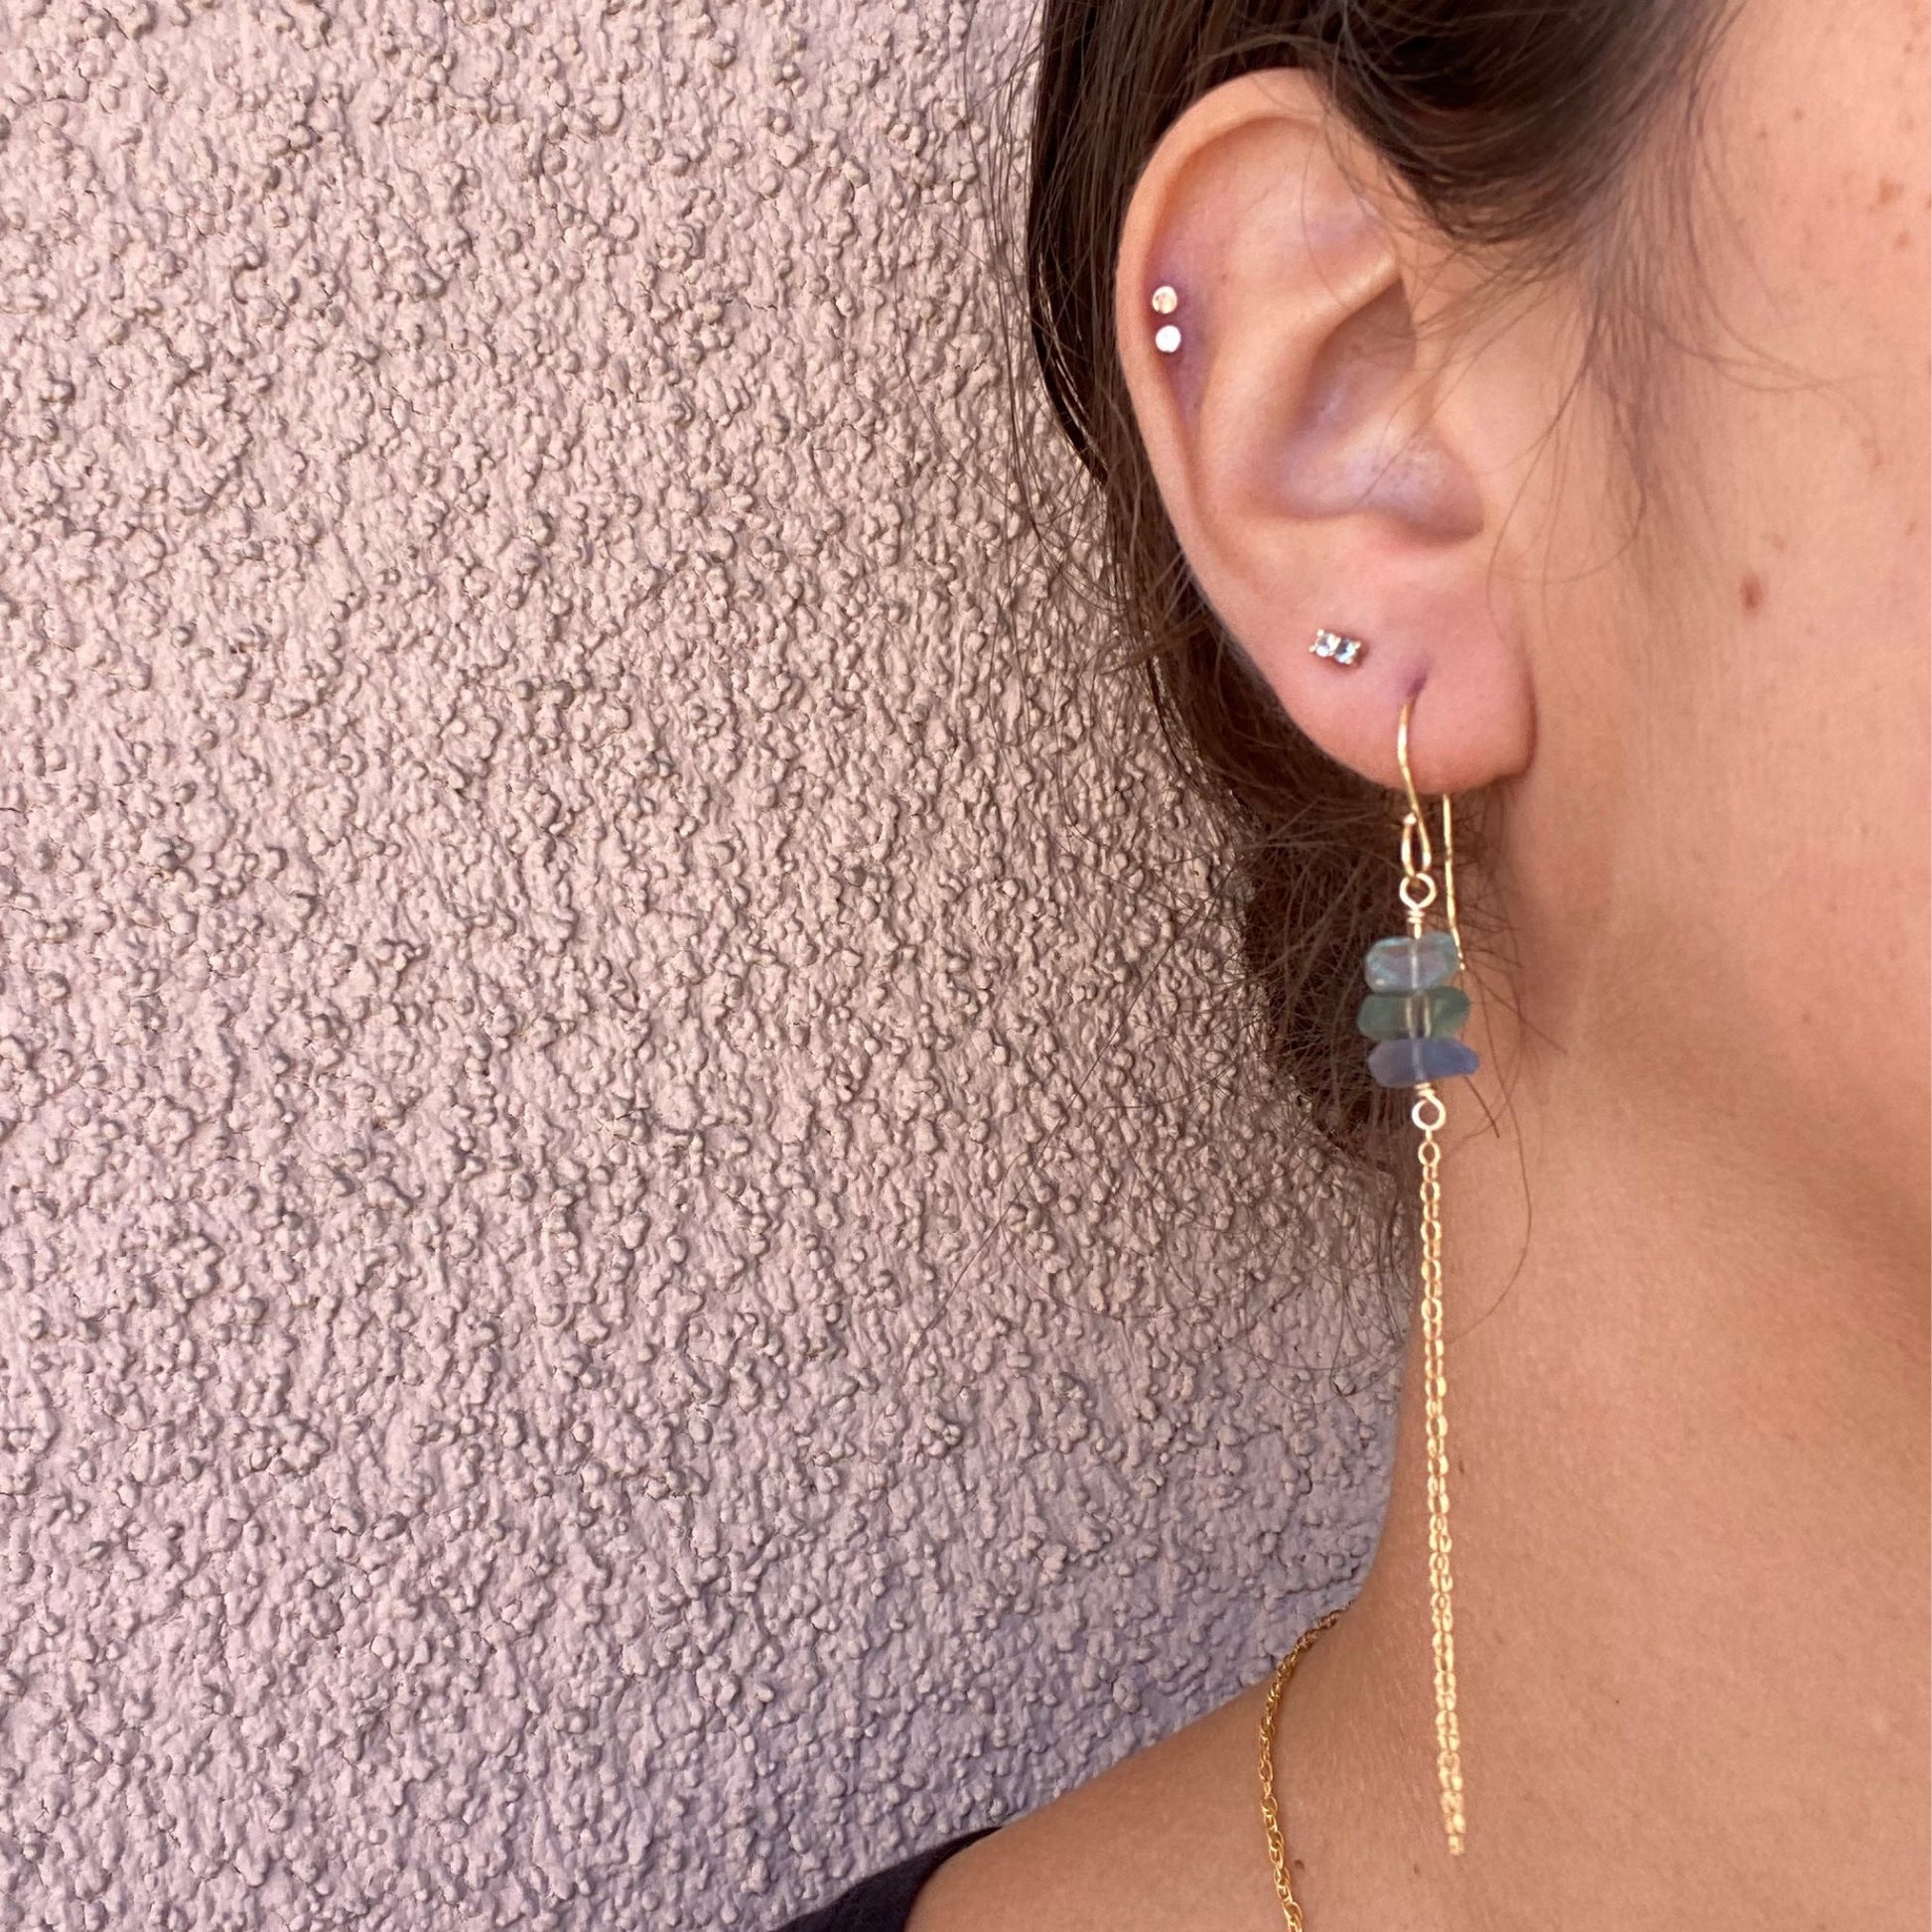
1440	1009
1412	962
1411	1062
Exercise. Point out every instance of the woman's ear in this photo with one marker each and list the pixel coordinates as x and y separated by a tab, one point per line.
1319	441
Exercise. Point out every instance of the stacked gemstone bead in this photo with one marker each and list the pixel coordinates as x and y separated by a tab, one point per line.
1412	1011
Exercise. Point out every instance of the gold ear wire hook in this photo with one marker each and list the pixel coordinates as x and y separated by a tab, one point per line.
1417	819
1418	889
1402	754
1414	824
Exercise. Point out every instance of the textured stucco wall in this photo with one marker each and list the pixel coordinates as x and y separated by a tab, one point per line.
635	1265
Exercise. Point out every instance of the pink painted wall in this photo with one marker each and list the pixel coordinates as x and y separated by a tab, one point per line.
637	1259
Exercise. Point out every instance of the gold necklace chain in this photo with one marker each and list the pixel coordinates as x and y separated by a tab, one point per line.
1271	1815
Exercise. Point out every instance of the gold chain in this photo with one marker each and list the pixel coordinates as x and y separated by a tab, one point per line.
1428	1115
1271	1816
1418	894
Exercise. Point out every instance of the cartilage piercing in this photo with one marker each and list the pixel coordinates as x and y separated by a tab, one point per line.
1167	339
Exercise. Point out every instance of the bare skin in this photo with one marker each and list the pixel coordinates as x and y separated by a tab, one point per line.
1690	1390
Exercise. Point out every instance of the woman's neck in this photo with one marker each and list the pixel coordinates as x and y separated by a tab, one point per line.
1688	1418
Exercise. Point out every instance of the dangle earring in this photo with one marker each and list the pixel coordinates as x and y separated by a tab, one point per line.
1414	1014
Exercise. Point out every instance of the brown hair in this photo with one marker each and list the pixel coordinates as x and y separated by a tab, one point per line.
1514	127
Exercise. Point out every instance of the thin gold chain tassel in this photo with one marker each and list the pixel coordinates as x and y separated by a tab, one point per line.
1434	1012
1429	1115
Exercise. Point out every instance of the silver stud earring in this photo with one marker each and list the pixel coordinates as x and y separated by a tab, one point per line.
1167	339
1337	649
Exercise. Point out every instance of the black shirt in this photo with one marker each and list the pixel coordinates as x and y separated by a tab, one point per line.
882	1902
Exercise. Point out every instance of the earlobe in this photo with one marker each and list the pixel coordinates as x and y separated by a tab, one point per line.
1321	456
